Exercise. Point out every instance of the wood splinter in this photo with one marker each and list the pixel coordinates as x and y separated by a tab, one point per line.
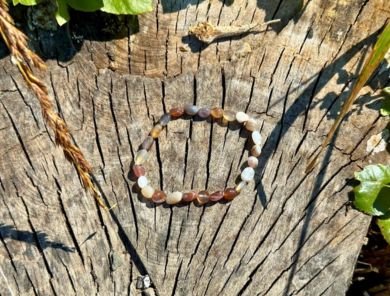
207	33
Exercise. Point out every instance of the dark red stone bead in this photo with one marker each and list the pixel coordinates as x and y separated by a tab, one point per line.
189	196
138	171
230	193
216	196
159	196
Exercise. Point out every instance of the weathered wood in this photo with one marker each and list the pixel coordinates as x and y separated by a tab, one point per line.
291	234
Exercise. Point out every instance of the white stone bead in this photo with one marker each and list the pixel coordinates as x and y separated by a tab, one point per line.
256	138
256	150
241	186
142	182
242	117
248	174
174	197
147	191
253	161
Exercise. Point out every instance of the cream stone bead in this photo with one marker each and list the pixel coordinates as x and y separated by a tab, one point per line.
147	191
251	125
248	174
174	197
141	156
142	182
242	117
253	161
241	186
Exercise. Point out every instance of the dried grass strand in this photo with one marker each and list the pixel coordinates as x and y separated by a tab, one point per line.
25	59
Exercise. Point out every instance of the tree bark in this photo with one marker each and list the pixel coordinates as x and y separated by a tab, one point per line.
289	234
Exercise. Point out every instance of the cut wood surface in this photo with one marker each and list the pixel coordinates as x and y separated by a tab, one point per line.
287	234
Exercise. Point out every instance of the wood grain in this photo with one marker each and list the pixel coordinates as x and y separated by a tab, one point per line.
288	234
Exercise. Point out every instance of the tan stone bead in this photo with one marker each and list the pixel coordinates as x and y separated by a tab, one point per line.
156	130
251	125
256	150
217	113
253	162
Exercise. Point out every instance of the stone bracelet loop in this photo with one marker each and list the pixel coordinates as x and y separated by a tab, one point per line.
200	197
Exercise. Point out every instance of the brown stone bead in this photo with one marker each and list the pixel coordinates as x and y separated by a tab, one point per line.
203	197
189	196
176	112
217	113
147	143
230	193
159	196
156	130
138	171
216	196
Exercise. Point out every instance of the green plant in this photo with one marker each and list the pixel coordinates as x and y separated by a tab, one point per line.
111	6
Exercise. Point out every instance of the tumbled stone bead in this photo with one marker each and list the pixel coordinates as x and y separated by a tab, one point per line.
253	161
156	130
147	191
251	125
256	138
230	193
247	174
229	115
241	186
142	182
203	197
138	171
174	197
256	150
141	156
165	119
147	143
191	109
216	196
176	112
204	113
242	117
189	196
159	196
216	113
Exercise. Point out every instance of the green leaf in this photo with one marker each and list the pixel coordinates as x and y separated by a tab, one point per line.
87	5
385	110
25	2
62	14
372	196
127	6
384	226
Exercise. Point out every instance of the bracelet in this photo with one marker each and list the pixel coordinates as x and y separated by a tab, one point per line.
201	197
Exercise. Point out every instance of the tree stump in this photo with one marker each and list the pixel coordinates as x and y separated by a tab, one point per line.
112	78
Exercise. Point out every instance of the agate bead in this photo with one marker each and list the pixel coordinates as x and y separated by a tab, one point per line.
174	197
165	119
191	109
229	115
141	156
159	196
189	196
248	174
216	196
147	143
216	113
203	197
230	193
204	113
176	112
156	130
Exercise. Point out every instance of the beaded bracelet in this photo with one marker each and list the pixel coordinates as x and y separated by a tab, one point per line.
201	197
